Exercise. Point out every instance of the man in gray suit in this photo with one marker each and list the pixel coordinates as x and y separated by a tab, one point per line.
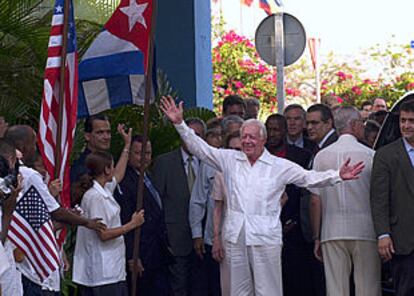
174	176
392	202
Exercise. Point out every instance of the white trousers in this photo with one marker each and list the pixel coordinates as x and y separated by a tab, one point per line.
340	255
251	270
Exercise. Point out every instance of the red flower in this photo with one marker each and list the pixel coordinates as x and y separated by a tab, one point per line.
410	86
356	90
238	84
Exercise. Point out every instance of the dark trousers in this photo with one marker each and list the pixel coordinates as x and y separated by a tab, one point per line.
181	274
206	276
154	282
117	289
403	274
302	273
32	289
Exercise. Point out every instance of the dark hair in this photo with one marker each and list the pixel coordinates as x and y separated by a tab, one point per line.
232	100
370	127
95	162
326	112
88	125
7	148
196	120
407	106
229	137
214	123
366	103
379	116
19	135
279	118
293	107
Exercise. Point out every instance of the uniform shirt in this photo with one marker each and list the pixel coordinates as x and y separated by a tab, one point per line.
96	262
34	178
253	191
202	205
346	211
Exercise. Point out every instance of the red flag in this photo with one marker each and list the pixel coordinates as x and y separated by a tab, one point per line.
314	44
49	116
247	2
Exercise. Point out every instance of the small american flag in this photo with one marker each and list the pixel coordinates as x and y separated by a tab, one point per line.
31	230
49	116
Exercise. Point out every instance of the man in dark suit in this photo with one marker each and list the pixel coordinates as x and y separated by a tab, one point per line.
174	176
392	203
296	122
297	256
154	253
320	126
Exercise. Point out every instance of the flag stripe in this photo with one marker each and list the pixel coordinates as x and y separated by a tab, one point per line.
48	255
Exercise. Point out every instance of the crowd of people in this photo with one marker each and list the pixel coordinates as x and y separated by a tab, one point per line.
298	205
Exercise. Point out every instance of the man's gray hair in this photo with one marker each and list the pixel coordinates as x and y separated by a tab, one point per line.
230	119
252	101
344	116
258	123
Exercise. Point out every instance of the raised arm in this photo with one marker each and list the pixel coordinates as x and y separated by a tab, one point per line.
197	146
123	159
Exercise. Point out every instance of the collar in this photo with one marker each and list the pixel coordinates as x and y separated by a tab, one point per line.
298	142
101	190
326	138
408	146
347	138
185	155
266	157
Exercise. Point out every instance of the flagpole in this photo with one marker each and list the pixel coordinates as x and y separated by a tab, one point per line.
148	93
58	151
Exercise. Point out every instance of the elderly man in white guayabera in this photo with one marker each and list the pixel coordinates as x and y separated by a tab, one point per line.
255	180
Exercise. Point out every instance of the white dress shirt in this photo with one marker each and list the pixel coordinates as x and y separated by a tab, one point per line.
254	192
95	262
346	211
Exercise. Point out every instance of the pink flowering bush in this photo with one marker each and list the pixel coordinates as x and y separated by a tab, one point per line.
238	69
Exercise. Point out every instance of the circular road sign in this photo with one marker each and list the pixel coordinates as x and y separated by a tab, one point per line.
294	39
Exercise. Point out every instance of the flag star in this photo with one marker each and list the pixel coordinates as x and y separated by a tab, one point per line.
59	9
135	13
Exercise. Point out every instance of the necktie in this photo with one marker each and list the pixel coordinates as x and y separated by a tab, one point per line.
190	173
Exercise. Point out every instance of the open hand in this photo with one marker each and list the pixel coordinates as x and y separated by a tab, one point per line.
171	110
351	172
126	136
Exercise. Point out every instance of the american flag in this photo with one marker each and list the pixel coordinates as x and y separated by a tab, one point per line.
31	230
49	116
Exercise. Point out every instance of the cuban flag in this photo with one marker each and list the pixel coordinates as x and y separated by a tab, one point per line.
113	70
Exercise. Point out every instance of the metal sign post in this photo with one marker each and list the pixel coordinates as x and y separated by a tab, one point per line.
280	62
280	41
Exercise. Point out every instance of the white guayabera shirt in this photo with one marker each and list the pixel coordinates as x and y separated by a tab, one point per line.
346	211
254	192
